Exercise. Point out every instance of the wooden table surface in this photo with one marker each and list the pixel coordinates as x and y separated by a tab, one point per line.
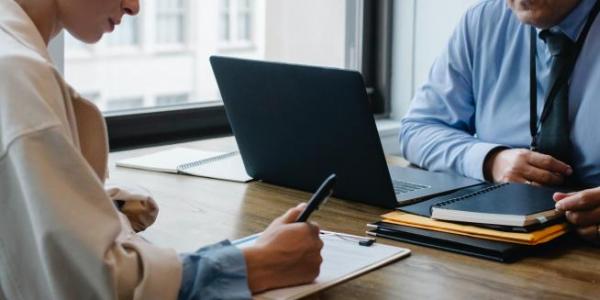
196	211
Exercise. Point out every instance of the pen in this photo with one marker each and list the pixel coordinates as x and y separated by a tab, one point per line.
363	241
319	198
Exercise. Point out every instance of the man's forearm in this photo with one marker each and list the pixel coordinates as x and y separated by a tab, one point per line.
438	147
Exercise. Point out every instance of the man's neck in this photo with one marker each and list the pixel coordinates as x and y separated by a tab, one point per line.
44	14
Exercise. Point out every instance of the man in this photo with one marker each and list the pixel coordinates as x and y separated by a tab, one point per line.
472	115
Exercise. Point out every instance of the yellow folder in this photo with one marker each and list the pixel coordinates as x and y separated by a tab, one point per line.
531	238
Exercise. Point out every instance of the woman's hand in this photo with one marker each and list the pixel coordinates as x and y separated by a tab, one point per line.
582	209
285	254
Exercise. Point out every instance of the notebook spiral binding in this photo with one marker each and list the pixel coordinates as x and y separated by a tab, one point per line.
198	163
473	194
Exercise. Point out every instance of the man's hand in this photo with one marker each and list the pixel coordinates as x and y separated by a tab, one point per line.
582	209
286	254
525	166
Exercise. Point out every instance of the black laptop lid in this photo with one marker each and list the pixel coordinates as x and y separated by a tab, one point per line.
296	125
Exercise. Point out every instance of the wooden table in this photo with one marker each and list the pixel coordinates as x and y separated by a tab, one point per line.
197	211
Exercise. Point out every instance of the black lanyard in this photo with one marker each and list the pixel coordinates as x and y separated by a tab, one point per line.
565	74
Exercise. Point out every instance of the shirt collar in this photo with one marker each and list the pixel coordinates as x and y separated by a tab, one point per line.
573	24
16	23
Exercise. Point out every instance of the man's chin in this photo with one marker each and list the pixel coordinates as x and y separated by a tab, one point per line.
529	18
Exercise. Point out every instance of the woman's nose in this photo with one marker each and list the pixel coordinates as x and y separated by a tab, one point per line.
131	7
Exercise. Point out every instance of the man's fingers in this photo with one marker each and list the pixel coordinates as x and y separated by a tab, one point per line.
560	196
549	163
542	176
580	201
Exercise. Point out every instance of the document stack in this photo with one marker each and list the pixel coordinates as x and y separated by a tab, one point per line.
501	222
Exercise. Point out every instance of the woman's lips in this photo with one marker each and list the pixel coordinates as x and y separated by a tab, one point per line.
111	24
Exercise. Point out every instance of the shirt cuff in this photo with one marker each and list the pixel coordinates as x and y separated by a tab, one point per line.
215	272
474	159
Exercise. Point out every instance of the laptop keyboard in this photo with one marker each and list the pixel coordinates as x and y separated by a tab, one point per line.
402	187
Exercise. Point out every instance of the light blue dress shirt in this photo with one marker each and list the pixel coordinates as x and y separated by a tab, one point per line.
476	97
214	272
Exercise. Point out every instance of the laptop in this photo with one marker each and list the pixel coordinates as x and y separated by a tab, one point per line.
295	125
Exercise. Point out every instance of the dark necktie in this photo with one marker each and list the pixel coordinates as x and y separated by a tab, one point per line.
554	134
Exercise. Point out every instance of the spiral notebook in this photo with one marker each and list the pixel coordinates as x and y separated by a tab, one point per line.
508	204
216	165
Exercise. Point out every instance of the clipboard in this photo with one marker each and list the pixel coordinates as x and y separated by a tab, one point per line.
343	259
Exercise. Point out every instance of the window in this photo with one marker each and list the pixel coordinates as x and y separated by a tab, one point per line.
169	100
124	103
91	96
236	23
162	54
74	46
127	35
225	20
170	22
244	20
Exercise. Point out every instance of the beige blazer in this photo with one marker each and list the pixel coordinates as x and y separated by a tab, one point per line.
61	237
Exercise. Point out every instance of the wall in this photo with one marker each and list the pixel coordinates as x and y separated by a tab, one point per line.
319	29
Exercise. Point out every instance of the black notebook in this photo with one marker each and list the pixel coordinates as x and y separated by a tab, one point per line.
507	204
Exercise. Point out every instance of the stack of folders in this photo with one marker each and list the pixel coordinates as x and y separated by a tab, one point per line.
501	222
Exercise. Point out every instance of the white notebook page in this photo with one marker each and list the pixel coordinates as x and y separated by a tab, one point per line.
167	160
229	168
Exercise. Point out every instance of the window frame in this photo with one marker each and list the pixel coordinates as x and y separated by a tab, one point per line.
368	47
173	124
377	55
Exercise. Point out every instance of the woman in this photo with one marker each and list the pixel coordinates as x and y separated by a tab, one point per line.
61	234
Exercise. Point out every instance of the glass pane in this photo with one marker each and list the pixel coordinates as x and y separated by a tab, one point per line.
173	39
245	4
244	26
168	100
75	46
125	103
127	35
224	21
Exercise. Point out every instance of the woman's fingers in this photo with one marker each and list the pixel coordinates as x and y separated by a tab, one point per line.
580	201
590	233
584	218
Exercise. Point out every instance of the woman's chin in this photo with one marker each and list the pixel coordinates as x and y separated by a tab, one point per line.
93	39
89	38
